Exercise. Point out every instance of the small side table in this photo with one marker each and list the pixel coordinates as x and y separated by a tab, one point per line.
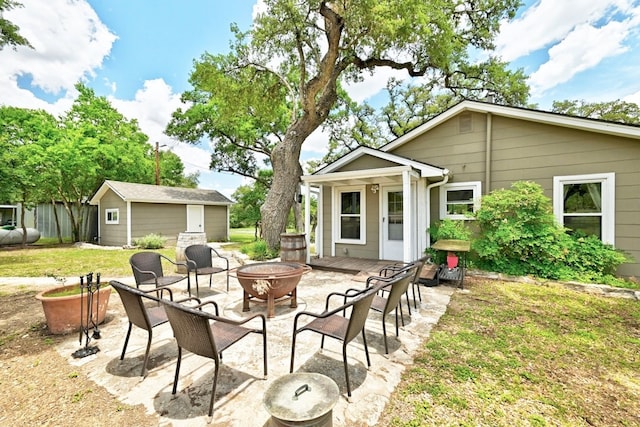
456	274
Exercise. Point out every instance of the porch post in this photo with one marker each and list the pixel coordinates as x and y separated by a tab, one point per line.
307	219
407	209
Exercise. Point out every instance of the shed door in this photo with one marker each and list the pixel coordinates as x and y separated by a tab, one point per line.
392	223
195	219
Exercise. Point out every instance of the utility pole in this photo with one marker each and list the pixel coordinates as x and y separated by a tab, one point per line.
157	163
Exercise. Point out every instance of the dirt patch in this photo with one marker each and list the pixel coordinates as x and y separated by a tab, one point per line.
39	386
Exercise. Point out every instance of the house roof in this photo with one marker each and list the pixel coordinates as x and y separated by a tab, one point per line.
329	174
145	193
563	120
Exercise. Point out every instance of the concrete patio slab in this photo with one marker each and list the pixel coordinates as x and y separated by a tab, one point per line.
241	388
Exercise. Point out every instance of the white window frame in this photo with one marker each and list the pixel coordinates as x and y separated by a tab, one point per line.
107	214
363	217
608	196
475	186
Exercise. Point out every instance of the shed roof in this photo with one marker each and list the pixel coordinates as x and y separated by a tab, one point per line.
145	193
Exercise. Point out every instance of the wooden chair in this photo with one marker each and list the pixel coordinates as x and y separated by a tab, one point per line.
147	270
142	315
343	323
208	335
200	260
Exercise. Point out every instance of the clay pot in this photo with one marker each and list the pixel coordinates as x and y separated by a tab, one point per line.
68	314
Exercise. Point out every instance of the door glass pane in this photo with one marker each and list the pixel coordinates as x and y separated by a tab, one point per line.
395	220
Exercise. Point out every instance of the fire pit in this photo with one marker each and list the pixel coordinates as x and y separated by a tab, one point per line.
271	282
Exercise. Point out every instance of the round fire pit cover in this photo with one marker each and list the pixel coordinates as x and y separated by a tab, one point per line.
301	397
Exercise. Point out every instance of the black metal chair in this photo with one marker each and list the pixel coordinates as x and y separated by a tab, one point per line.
147	270
344	327
208	335
200	260
144	316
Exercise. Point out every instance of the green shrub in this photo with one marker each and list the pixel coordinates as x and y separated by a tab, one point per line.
450	229
519	235
150	241
258	251
444	230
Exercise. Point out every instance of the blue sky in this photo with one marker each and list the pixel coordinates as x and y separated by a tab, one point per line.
140	53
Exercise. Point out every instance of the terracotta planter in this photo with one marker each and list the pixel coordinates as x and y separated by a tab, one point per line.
68	313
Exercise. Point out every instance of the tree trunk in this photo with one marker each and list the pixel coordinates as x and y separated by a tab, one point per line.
24	227
57	220
286	180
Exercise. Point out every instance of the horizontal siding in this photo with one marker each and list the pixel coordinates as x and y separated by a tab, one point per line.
167	220
523	150
113	234
215	223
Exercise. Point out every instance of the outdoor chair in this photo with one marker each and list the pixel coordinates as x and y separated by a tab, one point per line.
387	299
415	282
200	260
208	335
144	316
147	270
343	323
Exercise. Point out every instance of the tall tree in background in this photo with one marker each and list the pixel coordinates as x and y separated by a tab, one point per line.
281	80
24	138
614	111
9	32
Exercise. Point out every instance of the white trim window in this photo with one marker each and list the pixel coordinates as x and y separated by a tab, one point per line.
112	216
350	215
460	200
586	203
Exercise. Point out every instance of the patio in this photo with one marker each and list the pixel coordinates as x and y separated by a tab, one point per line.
240	386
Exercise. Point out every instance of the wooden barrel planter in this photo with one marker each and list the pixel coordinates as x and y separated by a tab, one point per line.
293	247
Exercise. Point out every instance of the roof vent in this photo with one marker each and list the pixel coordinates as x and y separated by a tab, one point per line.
465	123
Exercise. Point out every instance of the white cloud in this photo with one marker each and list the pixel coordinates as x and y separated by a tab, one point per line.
634	97
548	22
69	42
584	48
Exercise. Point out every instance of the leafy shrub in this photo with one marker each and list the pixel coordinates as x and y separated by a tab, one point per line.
450	229
447	229
519	235
150	241
258	251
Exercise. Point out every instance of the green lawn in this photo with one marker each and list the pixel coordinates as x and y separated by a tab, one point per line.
515	354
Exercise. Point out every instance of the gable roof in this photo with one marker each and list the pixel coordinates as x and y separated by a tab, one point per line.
563	120
145	193
425	170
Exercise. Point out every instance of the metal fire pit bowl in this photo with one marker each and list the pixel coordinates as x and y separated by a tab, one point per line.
270	281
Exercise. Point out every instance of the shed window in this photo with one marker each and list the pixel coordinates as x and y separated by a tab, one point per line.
112	216
459	200
585	203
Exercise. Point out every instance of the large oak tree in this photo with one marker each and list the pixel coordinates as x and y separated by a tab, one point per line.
282	79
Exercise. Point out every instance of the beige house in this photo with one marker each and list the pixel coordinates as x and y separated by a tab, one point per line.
129	211
379	203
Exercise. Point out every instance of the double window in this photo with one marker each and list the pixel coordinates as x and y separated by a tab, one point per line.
586	203
112	216
350	215
460	200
